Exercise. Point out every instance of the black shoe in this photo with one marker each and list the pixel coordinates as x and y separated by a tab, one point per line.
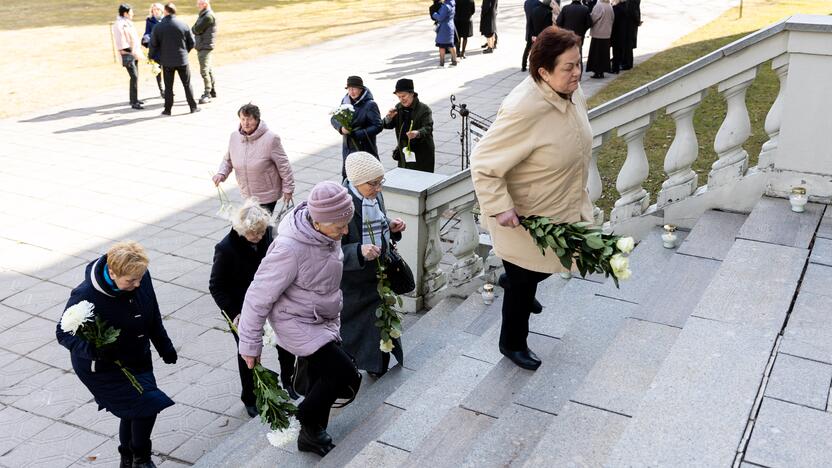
143	462
502	281
165	112
140	102
195	109
525	359
453	64
213	93
488	51
137	106
252	411
522	69
597	76
126	458
314	440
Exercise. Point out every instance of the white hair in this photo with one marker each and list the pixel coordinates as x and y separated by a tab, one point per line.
251	218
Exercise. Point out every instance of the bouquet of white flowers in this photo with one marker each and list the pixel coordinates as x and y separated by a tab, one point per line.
389	319
591	250
343	114
79	320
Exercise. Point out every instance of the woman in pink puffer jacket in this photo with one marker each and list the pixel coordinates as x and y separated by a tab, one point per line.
297	288
258	160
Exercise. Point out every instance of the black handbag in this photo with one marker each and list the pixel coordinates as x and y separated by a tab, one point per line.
302	381
398	272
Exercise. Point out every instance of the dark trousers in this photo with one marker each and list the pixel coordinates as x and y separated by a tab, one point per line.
526	54
331	370
185	77
134	437
287	368
159	83
622	58
517	305
133	71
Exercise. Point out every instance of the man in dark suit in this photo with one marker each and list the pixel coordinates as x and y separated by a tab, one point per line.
528	8
575	17
173	39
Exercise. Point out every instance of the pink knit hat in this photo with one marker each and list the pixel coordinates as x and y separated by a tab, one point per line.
330	203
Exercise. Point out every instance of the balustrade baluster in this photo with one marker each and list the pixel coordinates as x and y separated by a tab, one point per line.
468	264
775	114
434	278
634	198
734	131
682	180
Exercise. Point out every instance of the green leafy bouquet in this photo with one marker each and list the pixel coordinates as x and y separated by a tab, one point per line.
79	320
343	114
273	402
389	320
586	245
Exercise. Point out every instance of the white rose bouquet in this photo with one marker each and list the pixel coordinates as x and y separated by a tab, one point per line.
389	320
344	114
79	320
591	250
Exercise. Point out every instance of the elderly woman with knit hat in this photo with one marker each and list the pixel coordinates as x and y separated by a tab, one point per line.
296	288
365	176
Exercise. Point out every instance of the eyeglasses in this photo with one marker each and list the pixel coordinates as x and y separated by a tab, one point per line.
376	184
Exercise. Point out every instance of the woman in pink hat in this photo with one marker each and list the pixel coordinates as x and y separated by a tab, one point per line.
297	288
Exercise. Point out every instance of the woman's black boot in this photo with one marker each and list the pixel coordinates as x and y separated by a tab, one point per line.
314	439
126	458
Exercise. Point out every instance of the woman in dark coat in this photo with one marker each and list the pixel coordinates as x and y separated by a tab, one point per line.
621	38
236	258
488	24
360	336
149	23
119	287
366	121
413	123
465	9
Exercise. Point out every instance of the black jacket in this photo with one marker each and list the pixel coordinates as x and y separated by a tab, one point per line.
462	18
235	262
528	7
174	40
205	30
575	17
488	18
541	19
366	124
422	118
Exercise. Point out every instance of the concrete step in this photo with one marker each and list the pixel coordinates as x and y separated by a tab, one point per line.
773	221
713	234
710	378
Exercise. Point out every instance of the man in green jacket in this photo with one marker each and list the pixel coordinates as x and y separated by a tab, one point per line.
205	30
413	123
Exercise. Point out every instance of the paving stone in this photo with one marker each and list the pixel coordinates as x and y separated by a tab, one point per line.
450	441
624	373
14	369
217	391
39	298
177	424
672	302
204	440
485	348
754	285
585	341
172	297
790	435
358	432
58	445
56	398
579	436
105	455
12	282
28	336
18	427
38	262
378	454
211	347
166	267
70	278
800	381
708	420
822	252
10	317
807	334
52	354
825	228
195	279
173	379
713	235
817	280
203	225
429	409
89	416
773	221
181	332
201	250
203	311
558	314
168	241
509	440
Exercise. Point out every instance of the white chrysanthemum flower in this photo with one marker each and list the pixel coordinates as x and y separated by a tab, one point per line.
620	266
625	244
386	346
75	316
287	438
348	107
269	338
395	333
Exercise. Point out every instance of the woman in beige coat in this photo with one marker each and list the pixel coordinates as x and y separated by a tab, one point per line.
534	160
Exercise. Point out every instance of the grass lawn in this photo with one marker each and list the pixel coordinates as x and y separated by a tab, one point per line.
725	29
68	53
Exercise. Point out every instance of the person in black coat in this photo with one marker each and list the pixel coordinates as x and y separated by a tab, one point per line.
634	12
620	39
412	121
465	9
361	338
528	7
149	23
119	287
236	259
488	24
366	121
575	17
541	18
171	40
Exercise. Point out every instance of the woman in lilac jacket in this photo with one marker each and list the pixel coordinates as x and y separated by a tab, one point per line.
297	288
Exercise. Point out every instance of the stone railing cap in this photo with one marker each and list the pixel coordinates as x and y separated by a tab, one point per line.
410	182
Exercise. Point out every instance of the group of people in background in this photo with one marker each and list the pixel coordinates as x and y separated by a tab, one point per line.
168	41
612	25
453	25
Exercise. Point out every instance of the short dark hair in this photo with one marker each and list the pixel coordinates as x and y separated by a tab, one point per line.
124	8
550	44
249	110
170	8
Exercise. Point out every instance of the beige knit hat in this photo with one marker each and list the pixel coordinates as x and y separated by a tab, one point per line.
362	167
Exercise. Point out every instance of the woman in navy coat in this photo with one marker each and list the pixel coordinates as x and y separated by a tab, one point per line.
445	31
366	121
119	286
149	23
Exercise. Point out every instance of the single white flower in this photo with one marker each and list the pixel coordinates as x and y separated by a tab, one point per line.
620	266
386	346
394	333
285	439
269	338
75	316
625	244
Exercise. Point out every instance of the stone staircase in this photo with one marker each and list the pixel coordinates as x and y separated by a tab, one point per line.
673	369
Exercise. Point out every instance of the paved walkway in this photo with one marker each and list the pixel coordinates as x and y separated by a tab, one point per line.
74	180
